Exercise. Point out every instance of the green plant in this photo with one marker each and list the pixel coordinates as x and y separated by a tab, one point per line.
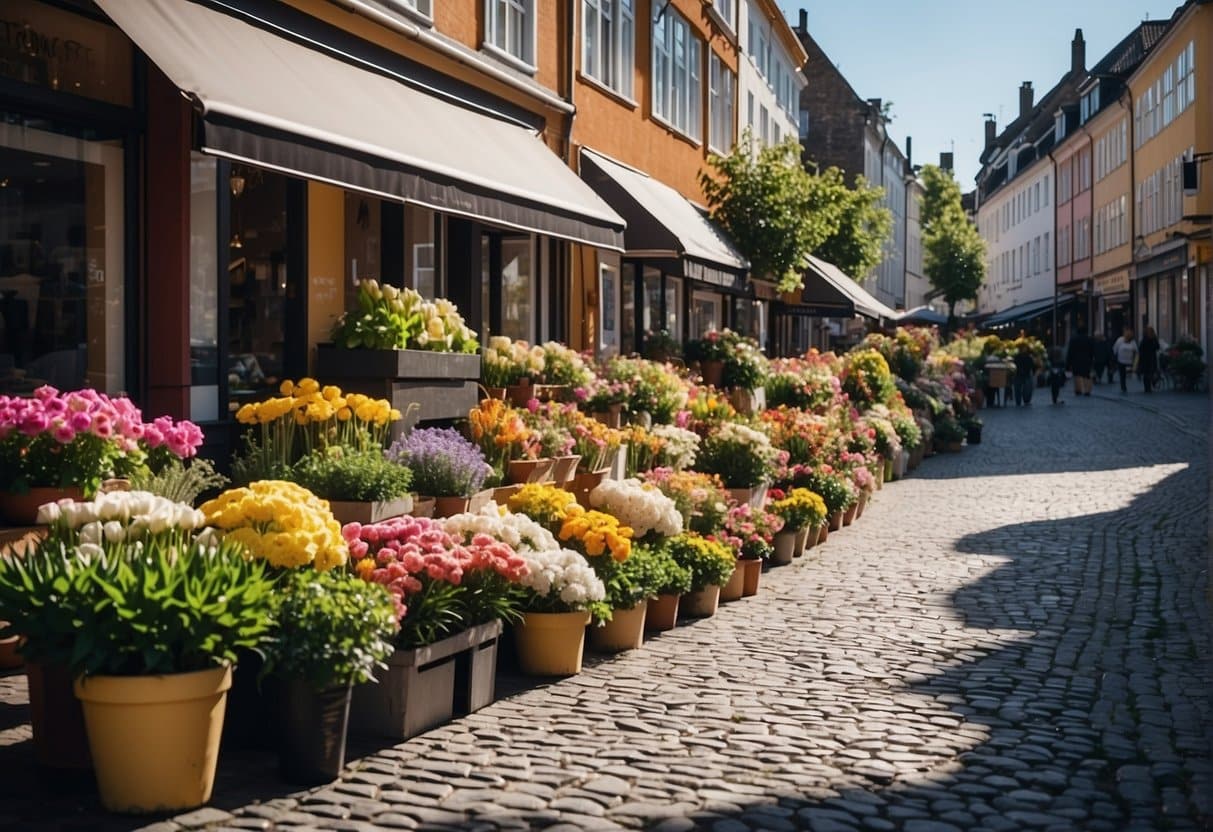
179	481
832	486
949	429
709	561
715	346
147	607
747	367
339	473
866	378
954	254
800	509
741	456
664	575
333	628
390	318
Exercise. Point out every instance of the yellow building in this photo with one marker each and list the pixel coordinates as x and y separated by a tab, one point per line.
1173	123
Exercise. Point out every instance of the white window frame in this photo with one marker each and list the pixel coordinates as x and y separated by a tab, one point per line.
722	119
619	74
525	9
610	292
713	299
422	10
677	96
727	9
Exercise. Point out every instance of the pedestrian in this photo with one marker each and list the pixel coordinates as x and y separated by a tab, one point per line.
1147	358
1057	378
1125	353
1101	352
1025	376
1080	357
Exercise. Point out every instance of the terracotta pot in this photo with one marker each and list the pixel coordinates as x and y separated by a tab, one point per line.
22	509
848	516
551	643
701	604
753	497
752	570
56	717
564	468
662	613
625	630
836	521
785	548
10	658
365	512
502	495
802	541
731	589
155	739
585	482
521	393
712	372
861	505
823	533
450	506
612	417
812	537
422	507
494	392
529	470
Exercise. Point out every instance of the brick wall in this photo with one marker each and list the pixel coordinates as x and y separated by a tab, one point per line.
836	114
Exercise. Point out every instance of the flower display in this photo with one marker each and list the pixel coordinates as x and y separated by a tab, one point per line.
443	462
809	382
595	533
700	498
746	367
280	522
595	443
741	456
709	561
389	318
656	389
641	506
599	393
679	447
749	531
501	433
545	504
552	425
866	378
505	363
706	408
834	487
799	508
562	365
117	516
80	438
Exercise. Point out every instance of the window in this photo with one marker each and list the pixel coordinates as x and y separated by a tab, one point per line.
420	8
676	73
608	43
728	10
509	28
720	105
1036	197
1044	256
804	124
1171	93
764	127
1036	256
1046	190
749	108
705	313
1059	127
517	288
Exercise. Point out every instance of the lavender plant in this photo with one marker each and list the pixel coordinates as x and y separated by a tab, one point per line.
443	462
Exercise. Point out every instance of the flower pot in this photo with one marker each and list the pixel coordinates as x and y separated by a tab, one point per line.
701	604
662	613
422	507
22	509
823	533
450	506
731	589
564	468
812	537
155	739
752	573
612	417
550	392
493	392
313	732
57	718
754	497
522	471
366	512
625	630
888	470
585	482
836	521
712	372
521	393
974	434
785	548
848	516
749	402
861	504
802	541
903	464
10	657
948	447
551	643
502	495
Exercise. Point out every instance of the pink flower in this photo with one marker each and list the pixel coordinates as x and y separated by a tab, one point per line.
64	434
102	427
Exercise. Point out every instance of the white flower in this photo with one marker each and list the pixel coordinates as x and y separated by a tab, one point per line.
564	573
91	533
49	513
114	531
639	505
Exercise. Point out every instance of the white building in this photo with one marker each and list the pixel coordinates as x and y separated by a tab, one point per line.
917	285
769	78
885	166
1018	224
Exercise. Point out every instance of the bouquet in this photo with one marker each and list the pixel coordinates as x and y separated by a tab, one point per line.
799	509
746	367
505	363
501	434
443	463
709	561
750	531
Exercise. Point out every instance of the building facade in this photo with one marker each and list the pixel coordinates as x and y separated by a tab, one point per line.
1173	123
917	285
769	73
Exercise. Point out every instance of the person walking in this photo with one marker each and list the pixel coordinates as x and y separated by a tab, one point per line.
1057	377
1147	358
1025	376
1101	353
1080	357
1124	351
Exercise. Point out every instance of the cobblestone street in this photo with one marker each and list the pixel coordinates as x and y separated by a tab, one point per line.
1016	637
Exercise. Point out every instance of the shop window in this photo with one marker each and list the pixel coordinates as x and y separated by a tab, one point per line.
204	288
627	312
677	65
517	288
1166	321
652	313
423	237
673	308
62	277
705	313
608	309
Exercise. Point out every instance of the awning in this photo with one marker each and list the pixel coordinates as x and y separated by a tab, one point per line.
827	287
271	101
922	315
1025	311
663	224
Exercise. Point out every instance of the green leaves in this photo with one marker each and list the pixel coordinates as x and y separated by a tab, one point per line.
954	255
338	473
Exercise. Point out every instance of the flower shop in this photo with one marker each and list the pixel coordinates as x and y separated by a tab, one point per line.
354	571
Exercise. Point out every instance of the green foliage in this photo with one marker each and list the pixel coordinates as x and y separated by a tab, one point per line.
338	473
765	200
137	608
648	572
859	225
954	255
866	378
833	487
949	429
333	628
179	481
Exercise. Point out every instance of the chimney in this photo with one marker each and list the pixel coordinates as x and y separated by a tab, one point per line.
909	153
804	20
991	130
875	103
1078	53
1026	95
945	160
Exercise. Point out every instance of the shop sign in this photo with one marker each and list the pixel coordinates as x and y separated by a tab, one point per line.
1110	284
707	274
64	52
1175	259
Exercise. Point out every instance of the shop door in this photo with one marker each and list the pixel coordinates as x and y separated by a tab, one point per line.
705	313
608	309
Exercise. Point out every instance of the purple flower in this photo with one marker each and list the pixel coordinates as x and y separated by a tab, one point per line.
443	462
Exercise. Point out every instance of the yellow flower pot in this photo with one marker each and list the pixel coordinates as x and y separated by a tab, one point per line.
625	630
732	588
551	643
155	739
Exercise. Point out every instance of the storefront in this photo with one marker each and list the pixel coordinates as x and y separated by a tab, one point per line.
69	143
1166	293
679	277
1112	303
831	311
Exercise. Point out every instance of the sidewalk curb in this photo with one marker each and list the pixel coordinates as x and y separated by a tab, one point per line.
1177	422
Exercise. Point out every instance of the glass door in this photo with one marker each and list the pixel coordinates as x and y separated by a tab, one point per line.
608	309
705	313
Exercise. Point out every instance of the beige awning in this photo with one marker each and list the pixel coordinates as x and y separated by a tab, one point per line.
269	100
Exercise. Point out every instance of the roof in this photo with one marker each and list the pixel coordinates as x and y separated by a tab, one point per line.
1126	55
858	298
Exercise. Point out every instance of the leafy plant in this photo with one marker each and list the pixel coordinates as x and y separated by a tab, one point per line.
741	456
137	608
709	561
859	224
390	318
179	481
832	486
333	628
342	474
443	462
949	429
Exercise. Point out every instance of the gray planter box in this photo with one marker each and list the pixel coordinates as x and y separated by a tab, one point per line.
444	385
351	511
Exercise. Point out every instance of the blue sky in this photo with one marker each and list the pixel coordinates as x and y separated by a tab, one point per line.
945	62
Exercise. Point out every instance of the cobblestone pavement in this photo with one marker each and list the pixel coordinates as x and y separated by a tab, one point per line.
1016	637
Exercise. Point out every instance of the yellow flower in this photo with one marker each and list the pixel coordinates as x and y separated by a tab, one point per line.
331	392
308	385
344	414
287	387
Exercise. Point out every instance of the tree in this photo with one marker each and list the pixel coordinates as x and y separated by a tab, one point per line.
859	225
768	204
954	255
